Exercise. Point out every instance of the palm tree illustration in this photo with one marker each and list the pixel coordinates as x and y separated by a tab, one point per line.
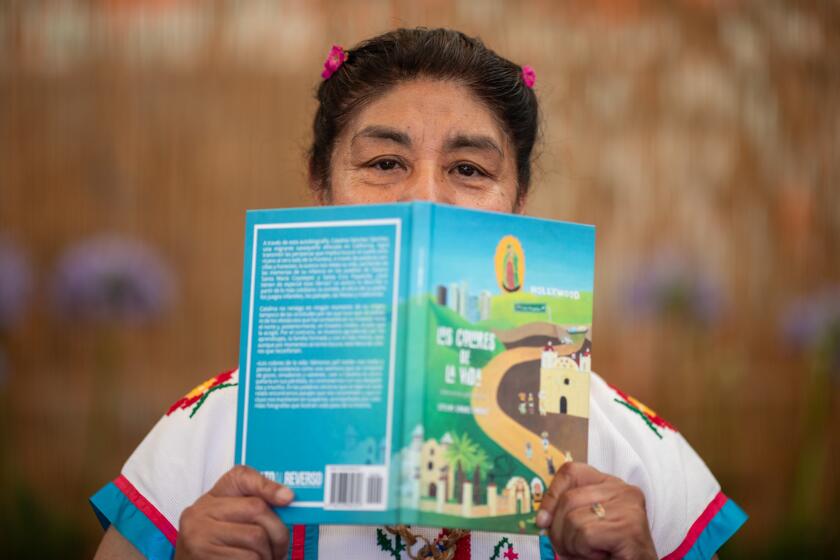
464	456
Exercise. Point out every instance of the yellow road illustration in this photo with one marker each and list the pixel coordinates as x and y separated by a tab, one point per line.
508	433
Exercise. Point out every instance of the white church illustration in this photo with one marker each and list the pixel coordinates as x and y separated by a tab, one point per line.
564	387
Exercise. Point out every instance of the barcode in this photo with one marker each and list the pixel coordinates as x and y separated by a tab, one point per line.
356	487
346	488
374	489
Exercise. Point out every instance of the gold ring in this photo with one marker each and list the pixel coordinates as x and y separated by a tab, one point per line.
599	510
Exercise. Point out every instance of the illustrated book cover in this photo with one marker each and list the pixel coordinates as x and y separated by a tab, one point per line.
414	363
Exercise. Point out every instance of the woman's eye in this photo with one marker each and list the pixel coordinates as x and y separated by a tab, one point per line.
468	170
385	164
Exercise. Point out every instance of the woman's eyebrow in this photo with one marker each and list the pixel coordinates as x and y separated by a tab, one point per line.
379	132
474	141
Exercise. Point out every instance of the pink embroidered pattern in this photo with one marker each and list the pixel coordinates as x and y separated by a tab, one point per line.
508	554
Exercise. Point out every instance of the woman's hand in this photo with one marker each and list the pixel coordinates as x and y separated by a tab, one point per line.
615	528
235	520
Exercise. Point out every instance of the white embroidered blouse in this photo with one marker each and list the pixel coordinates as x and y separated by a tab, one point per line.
193	445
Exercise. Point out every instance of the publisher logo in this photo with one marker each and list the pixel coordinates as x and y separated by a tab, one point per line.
303	479
510	264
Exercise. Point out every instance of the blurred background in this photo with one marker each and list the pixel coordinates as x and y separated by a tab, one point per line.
701	137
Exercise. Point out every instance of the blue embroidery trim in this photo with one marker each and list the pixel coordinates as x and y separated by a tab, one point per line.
112	507
719	530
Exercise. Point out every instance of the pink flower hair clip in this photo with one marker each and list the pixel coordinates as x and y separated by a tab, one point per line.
529	76
335	59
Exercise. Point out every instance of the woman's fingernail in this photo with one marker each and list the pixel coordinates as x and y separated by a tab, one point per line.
543	519
285	495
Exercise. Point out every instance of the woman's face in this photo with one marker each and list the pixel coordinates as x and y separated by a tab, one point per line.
425	140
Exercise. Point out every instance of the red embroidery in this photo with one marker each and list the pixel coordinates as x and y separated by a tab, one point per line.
198	394
149	510
462	551
641	407
298	542
698	526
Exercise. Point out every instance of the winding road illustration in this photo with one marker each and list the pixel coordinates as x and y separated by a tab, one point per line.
496	405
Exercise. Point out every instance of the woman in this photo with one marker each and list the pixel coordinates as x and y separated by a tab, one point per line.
418	115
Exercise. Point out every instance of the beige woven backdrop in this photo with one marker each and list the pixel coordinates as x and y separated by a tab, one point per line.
702	134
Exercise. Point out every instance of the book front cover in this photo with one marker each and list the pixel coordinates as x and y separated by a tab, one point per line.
507	371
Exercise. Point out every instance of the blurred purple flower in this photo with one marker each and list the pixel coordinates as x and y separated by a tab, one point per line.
15	284
669	285
111	279
812	324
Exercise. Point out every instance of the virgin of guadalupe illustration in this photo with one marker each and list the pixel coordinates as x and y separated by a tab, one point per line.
511	282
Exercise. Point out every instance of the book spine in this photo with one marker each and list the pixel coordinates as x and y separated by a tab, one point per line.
416	344
248	266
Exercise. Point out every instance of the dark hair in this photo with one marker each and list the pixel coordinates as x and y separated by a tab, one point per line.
376	65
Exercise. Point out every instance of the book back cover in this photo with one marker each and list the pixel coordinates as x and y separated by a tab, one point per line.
320	349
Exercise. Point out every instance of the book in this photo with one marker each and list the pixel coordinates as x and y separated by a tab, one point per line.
414	363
